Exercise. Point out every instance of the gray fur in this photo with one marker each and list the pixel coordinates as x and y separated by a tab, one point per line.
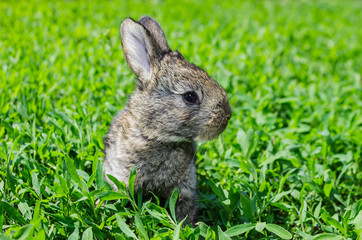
157	129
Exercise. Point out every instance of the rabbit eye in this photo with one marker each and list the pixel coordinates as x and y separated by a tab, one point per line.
191	98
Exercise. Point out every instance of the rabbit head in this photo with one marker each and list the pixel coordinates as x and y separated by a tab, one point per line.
174	100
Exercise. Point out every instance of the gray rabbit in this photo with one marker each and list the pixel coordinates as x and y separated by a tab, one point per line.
174	104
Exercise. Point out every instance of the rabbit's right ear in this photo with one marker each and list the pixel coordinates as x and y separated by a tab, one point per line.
139	49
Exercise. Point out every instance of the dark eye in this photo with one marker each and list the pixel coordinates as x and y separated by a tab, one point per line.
191	98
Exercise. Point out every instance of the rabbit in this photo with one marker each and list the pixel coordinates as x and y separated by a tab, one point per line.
174	104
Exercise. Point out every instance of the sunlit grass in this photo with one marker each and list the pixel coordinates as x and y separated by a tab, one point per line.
289	163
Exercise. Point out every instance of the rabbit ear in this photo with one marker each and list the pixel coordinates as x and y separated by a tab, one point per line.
139	49
155	29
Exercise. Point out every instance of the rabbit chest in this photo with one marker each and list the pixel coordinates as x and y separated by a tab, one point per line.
166	166
160	166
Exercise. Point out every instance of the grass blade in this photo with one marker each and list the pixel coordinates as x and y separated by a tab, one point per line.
172	204
25	232
247	207
12	213
260	226
100	181
132	177
327	236
110	195
239	229
222	235
88	234
140	226
124	227
176	233
279	231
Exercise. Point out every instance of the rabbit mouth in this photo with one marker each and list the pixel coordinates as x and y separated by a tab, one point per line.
210	132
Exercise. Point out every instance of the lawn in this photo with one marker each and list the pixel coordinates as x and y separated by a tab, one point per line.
287	166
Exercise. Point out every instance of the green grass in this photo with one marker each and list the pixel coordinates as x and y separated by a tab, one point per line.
288	164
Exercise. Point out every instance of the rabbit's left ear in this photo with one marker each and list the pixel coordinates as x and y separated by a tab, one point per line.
155	29
140	49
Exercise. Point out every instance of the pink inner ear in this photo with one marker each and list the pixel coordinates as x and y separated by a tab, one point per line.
139	53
